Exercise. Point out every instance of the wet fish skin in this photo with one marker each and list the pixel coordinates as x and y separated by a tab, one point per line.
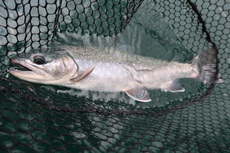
90	68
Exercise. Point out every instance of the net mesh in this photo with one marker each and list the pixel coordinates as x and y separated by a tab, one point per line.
37	118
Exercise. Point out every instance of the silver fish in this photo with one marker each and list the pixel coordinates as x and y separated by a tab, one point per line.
89	68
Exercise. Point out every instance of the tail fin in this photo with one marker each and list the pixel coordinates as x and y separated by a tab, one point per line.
208	66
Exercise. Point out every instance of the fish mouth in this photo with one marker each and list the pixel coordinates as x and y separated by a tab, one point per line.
31	72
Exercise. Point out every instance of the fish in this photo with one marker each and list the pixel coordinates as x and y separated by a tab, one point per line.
110	70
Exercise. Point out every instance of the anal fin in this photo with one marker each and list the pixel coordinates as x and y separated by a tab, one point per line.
139	94
173	86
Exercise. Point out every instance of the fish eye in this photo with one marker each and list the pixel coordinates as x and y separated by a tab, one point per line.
39	59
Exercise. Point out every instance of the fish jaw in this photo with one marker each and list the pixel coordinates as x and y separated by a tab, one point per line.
34	74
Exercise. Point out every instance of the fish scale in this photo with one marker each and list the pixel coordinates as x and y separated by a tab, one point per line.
110	55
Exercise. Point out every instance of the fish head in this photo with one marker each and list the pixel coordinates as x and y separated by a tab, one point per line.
56	67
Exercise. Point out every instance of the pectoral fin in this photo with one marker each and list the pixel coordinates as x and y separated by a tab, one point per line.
139	94
82	75
173	86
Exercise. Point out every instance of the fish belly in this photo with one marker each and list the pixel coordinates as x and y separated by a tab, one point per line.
110	77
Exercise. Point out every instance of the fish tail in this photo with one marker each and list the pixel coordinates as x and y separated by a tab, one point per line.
207	63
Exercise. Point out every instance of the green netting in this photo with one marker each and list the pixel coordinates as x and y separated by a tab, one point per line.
39	118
